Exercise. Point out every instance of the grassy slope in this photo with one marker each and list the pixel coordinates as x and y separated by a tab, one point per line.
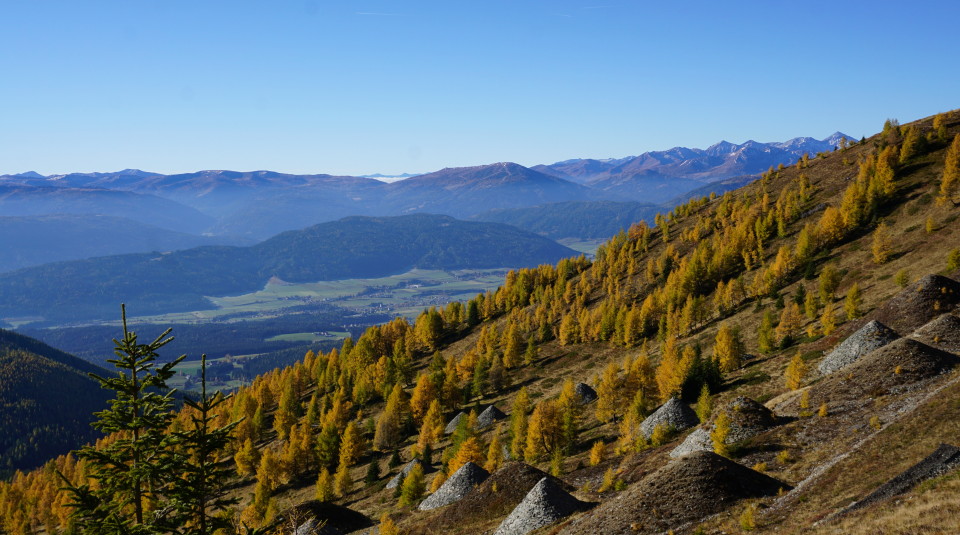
761	378
916	252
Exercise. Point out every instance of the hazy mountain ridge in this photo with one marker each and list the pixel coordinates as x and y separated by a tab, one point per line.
258	204
580	219
33	200
633	175
353	247
36	240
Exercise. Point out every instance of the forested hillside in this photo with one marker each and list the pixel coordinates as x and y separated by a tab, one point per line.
31	241
354	247
700	338
47	402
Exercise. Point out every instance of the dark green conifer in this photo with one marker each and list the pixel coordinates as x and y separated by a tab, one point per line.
135	472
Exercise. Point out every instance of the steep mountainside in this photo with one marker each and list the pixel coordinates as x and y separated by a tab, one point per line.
354	247
47	402
720	313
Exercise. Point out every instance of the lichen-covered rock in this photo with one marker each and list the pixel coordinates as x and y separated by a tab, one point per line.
456	486
871	336
545	504
674	413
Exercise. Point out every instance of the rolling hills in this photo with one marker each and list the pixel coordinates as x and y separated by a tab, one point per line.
36	240
152	283
35	200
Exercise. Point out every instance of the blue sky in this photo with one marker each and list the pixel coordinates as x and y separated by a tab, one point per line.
359	87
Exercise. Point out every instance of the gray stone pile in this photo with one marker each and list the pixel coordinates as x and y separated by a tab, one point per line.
315	527
698	440
490	416
452	426
397	480
942	333
674	413
871	336
585	393
456	486
747	419
545	504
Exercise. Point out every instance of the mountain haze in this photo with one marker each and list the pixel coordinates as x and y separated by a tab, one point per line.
37	240
354	247
660	175
259	204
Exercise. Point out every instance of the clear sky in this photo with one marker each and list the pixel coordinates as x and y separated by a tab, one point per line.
358	87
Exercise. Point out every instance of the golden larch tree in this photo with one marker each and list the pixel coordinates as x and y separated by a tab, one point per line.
882	244
796	370
950	180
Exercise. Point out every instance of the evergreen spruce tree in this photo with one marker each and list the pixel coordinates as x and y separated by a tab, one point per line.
133	473
200	489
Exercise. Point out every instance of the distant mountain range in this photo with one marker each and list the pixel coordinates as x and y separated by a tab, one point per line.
680	167
259	204
231	207
354	247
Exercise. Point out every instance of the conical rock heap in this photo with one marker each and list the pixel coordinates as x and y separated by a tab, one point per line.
397	480
747	419
685	490
494	498
489	416
314	517
893	367
314	527
942	333
873	335
919	303
585	393
673	413
456	486
545	504
452	426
